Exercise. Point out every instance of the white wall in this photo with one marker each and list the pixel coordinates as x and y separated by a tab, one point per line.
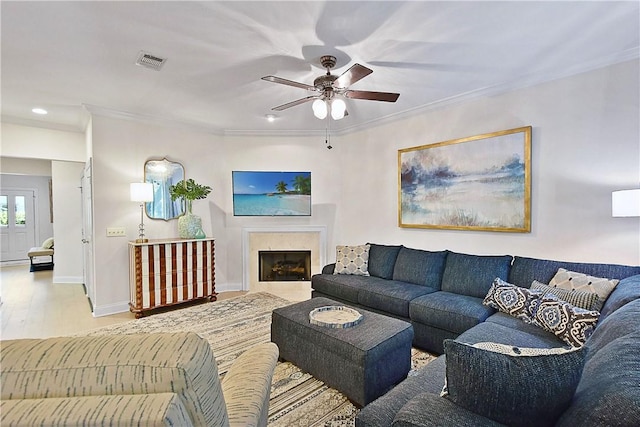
67	224
586	143
38	143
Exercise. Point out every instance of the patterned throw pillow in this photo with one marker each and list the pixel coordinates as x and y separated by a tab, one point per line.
582	299
513	300
573	325
527	387
352	260
570	280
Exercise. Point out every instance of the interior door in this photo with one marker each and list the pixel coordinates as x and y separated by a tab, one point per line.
17	224
87	233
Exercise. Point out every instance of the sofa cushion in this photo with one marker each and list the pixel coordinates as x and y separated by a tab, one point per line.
510	387
622	322
352	260
608	392
571	324
627	290
582	299
431	410
420	267
390	296
343	286
382	259
525	270
515	301
473	274
572	281
505	329
451	312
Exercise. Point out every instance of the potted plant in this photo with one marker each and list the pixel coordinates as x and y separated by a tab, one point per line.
189	225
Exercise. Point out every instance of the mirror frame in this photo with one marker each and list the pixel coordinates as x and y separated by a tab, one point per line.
176	176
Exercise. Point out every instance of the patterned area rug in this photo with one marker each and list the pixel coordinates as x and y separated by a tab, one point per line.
233	325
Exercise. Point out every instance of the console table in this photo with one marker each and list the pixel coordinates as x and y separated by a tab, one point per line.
166	272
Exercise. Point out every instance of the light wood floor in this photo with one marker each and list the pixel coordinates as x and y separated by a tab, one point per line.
34	307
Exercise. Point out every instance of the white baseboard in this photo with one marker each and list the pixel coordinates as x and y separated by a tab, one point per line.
106	310
228	287
68	279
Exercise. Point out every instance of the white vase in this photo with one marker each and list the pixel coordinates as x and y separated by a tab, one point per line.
189	225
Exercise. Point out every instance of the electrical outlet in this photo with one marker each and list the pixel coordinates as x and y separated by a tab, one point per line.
116	232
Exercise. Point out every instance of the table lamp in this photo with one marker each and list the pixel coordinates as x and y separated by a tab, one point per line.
141	192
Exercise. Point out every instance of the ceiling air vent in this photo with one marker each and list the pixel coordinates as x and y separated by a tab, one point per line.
150	61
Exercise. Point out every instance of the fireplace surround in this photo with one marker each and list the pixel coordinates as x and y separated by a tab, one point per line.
282	238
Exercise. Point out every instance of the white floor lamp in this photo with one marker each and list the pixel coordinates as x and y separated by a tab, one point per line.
141	192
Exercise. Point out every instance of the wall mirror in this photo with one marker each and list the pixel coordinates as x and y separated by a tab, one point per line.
163	174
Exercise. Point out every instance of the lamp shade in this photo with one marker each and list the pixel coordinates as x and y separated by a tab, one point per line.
319	108
141	192
338	107
625	203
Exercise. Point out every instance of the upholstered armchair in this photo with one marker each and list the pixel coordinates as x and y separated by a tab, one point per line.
140	379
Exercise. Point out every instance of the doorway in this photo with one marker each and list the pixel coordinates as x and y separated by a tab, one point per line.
17	224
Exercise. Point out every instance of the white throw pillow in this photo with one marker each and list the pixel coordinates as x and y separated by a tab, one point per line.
48	244
352	260
570	280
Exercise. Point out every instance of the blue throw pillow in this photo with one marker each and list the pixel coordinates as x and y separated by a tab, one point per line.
511	385
382	259
518	302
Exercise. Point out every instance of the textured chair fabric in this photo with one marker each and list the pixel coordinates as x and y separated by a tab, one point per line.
522	336
363	361
382	259
154	379
449	311
247	386
525	270
150	410
473	274
125	364
420	267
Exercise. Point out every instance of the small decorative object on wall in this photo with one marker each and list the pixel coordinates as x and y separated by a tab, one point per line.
481	182
189	225
271	193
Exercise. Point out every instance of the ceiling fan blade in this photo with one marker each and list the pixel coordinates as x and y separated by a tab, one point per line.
372	96
294	103
352	75
282	81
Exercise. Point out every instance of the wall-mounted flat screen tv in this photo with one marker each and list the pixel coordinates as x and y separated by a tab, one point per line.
271	193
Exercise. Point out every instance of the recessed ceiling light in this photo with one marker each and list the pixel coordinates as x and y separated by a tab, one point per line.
41	111
271	118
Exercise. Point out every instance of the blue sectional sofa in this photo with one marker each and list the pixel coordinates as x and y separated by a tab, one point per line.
441	294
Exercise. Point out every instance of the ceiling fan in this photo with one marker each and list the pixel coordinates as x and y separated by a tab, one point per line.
330	88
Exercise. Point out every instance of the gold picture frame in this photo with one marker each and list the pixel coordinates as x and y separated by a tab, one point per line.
480	183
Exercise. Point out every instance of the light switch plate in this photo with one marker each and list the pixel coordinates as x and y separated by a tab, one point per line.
116	232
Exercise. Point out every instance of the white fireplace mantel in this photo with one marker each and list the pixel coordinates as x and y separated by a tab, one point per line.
248	231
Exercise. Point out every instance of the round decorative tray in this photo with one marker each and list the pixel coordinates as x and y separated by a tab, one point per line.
335	316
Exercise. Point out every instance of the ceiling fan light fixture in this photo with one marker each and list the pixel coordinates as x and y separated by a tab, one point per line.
320	108
338	107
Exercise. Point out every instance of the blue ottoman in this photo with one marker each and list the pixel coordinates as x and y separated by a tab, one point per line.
363	362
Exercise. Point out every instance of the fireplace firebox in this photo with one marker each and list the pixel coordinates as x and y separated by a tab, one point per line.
284	266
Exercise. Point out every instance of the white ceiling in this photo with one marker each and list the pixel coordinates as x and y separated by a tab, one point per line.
65	55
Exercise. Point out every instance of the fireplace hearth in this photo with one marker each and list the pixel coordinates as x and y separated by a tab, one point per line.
284	266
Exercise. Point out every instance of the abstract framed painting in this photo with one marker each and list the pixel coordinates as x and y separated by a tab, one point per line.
264	193
480	183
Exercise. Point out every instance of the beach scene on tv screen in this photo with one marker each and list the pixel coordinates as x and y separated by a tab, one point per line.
271	193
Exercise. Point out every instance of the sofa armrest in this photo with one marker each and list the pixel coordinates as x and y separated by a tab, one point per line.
160	409
329	268
431	410
247	385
